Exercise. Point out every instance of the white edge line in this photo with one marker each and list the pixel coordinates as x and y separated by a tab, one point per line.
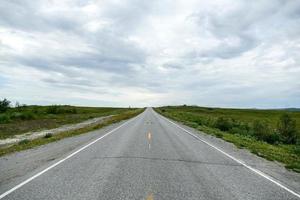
59	162
238	161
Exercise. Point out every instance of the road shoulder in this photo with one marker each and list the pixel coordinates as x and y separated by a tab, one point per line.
275	170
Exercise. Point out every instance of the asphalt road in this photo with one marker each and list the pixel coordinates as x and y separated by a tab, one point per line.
147	157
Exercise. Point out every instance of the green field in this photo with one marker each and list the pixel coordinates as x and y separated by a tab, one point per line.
34	118
256	130
243	115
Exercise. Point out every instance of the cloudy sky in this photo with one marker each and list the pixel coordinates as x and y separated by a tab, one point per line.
227	53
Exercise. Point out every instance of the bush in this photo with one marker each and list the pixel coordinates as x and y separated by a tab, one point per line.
4	118
21	107
25	141
223	124
4	105
69	110
23	116
262	131
239	130
48	135
54	109
219	135
287	129
198	121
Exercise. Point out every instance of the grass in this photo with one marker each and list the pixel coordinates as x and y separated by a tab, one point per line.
204	119
243	115
27	144
35	118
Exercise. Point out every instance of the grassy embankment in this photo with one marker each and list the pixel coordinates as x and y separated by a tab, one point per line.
257	130
46	117
23	119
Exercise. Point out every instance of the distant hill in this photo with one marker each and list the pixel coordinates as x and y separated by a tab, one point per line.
291	109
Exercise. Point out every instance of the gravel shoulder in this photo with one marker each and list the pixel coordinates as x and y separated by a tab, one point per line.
17	167
274	169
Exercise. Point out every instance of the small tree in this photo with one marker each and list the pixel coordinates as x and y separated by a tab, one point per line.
4	105
287	128
223	124
263	131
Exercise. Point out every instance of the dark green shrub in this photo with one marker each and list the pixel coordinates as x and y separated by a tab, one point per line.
48	135
54	109
262	131
23	115
28	115
25	141
35	110
287	129
4	118
296	149
219	135
240	128
208	122
4	105
273	138
15	115
68	110
191	124
223	124
198	121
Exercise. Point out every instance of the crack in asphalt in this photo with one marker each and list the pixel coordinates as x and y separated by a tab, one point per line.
167	159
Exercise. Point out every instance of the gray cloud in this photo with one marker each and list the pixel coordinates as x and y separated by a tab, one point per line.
151	52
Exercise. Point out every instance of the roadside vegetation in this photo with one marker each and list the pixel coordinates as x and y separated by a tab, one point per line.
27	144
272	134
19	119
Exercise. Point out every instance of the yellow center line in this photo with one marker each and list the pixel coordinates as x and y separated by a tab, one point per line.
149	136
149	197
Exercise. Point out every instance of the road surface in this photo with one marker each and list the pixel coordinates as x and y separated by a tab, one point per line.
147	157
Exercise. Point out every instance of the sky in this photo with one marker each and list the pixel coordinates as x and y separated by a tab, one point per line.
219	53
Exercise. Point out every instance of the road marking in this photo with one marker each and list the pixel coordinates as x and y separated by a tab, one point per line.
149	197
62	160
238	161
149	136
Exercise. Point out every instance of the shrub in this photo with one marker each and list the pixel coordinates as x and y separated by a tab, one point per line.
4	105
219	135
25	141
262	131
223	124
54	109
198	121
239	130
69	110
191	124
287	129
296	149
4	118
48	135
23	116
